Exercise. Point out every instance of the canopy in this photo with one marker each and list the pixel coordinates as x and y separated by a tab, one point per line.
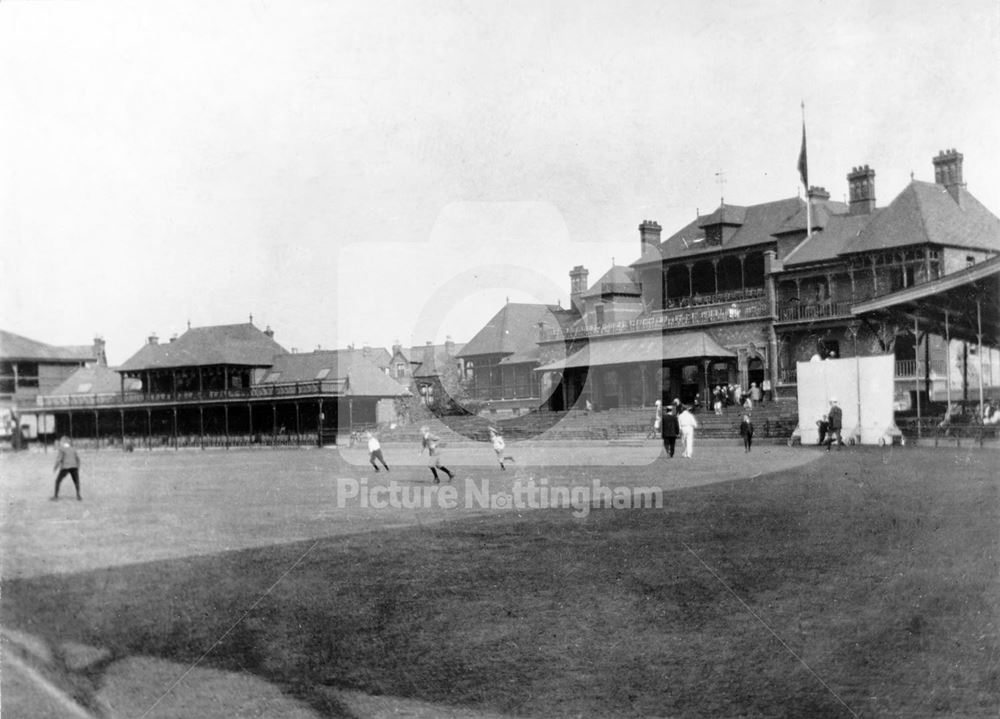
643	348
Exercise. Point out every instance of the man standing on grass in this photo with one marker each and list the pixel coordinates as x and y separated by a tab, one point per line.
67	462
375	451
746	431
670	430
687	423
836	419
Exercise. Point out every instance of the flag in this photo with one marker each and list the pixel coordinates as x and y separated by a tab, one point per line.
803	164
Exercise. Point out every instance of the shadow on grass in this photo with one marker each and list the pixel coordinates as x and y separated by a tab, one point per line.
881	577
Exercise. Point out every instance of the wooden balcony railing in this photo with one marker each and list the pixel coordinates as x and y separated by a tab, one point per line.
802	312
331	388
670	318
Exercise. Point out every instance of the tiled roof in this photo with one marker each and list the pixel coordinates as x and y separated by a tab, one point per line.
824	246
619	275
822	210
241	344
96	379
16	347
759	223
925	212
515	329
360	372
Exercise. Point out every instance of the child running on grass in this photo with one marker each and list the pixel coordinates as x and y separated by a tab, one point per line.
431	444
496	439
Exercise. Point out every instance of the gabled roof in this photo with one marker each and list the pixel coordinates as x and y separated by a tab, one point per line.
926	213
822	211
621	277
515	329
96	379
433	358
757	225
358	372
827	244
16	347
241	344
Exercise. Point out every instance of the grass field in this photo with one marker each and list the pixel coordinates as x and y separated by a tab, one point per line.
860	583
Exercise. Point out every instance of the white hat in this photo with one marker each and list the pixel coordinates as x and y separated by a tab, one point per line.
833	400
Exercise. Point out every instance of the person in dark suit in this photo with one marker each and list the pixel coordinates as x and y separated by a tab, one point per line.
670	430
746	431
836	425
67	462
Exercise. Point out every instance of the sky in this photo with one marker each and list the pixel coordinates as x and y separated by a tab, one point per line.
367	172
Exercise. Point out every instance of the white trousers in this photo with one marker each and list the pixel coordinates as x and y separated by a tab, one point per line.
687	438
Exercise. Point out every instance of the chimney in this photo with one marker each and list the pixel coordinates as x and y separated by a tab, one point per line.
269	332
649	235
99	353
948	171
861	186
429	351
153	339
173	337
366	351
818	193
449	346
577	286
396	348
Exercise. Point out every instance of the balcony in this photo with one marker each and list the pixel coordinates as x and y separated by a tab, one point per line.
331	388
679	317
802	312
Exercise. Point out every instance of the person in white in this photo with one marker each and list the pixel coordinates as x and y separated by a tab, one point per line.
375	451
499	446
688	424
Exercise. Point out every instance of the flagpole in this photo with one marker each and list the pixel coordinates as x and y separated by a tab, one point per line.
809	223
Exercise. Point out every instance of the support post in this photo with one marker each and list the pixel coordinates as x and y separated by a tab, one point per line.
274	425
979	354
947	364
201	419
225	423
149	428
916	370
175	427
97	429
121	413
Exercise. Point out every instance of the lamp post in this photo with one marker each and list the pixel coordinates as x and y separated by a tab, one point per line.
852	327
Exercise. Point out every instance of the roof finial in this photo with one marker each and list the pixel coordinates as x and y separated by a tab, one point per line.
722	185
189	323
251	318
508	299
911	175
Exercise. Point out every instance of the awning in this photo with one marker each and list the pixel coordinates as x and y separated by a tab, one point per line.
967	303
643	348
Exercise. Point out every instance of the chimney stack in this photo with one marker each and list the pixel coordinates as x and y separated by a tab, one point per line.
948	171
861	186
577	286
396	348
818	193
649	235
449	346
99	352
153	339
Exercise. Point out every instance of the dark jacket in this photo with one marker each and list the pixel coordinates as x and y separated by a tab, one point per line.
836	418
669	426
746	429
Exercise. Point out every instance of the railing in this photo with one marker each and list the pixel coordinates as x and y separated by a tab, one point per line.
669	318
797	312
909	368
261	391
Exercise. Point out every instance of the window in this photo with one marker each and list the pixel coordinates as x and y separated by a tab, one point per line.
400	370
27	374
470	370
323	373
